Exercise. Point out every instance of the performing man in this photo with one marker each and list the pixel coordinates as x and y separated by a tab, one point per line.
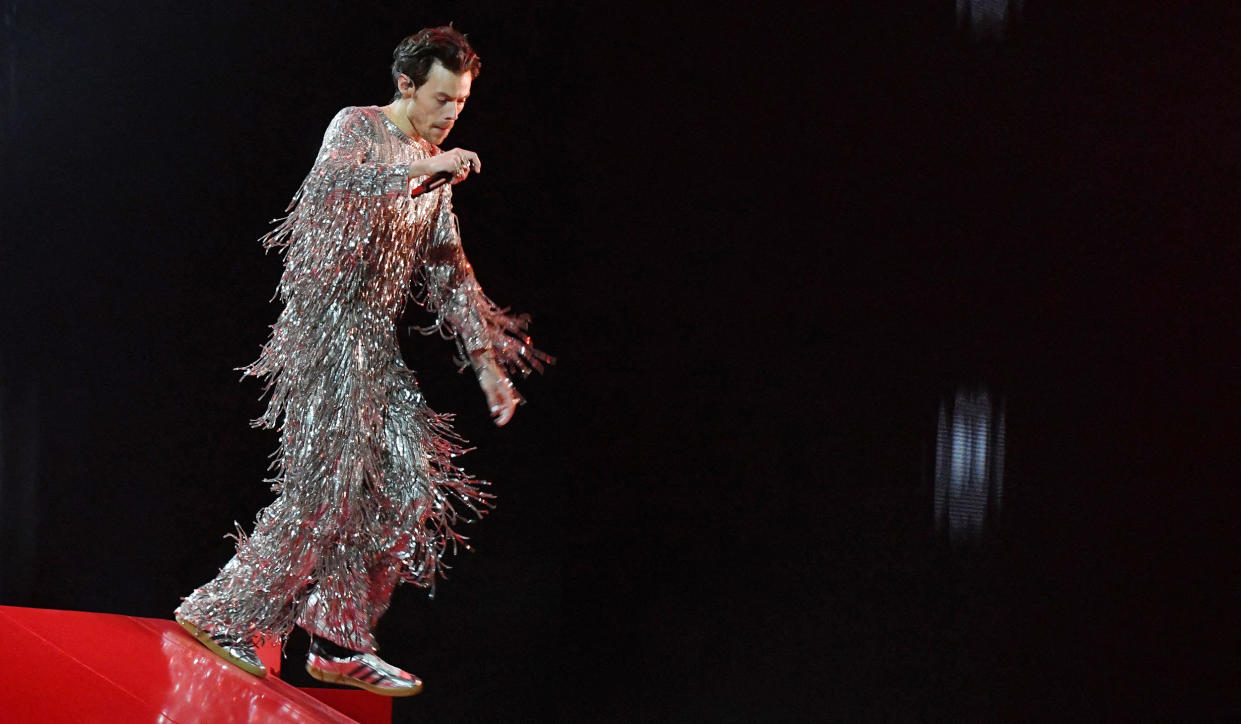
368	494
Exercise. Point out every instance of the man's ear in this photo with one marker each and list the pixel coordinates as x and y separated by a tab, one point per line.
405	85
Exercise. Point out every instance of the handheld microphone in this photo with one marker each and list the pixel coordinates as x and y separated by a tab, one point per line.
434	182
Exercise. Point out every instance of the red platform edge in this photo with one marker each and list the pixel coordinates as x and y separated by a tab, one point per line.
73	666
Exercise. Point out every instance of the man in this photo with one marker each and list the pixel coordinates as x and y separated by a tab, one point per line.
368	491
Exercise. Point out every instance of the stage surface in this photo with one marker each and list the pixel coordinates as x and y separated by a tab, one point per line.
69	666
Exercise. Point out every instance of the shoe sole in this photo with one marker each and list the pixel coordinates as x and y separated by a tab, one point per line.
329	677
205	639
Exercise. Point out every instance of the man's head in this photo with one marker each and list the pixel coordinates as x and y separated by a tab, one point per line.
433	70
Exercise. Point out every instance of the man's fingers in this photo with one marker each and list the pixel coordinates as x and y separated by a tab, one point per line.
467	159
501	414
502	398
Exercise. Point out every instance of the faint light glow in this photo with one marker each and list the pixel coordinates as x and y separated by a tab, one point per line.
987	19
969	463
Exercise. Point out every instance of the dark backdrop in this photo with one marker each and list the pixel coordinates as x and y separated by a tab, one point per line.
764	244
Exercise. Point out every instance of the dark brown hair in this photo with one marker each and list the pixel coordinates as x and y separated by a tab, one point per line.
419	52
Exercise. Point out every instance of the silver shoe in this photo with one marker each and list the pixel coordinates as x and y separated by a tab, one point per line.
365	671
238	653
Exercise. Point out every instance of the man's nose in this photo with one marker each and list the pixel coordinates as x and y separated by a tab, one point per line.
453	112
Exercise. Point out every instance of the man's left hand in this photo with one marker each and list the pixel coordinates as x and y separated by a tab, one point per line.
502	397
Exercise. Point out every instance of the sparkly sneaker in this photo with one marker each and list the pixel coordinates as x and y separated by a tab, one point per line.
238	653
337	665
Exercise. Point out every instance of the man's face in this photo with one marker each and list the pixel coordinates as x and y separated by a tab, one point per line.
437	103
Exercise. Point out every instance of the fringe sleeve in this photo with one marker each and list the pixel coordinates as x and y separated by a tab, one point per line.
346	196
463	311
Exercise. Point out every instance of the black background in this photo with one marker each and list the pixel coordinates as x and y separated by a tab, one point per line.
764	243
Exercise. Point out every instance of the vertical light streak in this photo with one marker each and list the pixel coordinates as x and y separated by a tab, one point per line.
988	19
969	463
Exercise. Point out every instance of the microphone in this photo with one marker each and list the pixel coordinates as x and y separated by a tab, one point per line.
434	182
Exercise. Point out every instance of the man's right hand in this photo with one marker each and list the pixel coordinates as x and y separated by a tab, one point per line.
459	162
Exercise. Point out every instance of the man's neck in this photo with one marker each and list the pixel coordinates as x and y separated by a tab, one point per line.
395	111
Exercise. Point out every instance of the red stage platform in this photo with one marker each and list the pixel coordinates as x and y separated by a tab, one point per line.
67	666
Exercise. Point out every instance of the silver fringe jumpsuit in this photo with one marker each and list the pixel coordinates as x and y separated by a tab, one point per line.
368	493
